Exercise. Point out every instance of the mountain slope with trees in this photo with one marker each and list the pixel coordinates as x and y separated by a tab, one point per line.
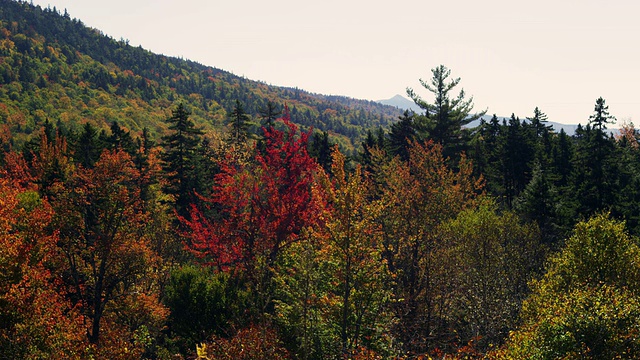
54	67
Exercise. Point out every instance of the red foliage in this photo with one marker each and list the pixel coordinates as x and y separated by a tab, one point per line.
264	205
38	320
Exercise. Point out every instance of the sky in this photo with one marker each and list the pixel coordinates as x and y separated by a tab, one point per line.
511	56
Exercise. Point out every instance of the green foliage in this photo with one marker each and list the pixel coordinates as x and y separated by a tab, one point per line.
587	305
239	124
55	67
491	258
302	300
202	304
181	160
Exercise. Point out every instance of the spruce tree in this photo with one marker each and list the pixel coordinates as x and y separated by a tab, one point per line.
594	177
87	147
179	158
401	134
239	123
269	114
320	148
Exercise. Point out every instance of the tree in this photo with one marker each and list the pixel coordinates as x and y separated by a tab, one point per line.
361	274
492	257
595	175
600	117
537	203
37	320
202	303
401	134
120	139
239	123
419	195
269	114
179	159
540	138
87	148
109	263
263	208
320	149
444	119
587	305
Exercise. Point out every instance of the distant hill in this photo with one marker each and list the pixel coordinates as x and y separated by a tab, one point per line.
402	103
53	67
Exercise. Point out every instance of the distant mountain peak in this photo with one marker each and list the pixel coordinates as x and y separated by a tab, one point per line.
401	102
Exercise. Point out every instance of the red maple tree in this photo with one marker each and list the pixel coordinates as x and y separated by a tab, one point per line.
263	206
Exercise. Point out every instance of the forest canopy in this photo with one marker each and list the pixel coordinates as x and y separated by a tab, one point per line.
152	207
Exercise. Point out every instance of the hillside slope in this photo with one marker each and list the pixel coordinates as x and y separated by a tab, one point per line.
54	67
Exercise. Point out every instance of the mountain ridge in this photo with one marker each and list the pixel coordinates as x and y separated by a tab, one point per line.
53	67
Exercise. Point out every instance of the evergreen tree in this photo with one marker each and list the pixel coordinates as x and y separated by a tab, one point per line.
239	122
269	114
320	148
601	117
541	138
87	148
120	139
401	134
179	158
364	156
563	153
537	203
594	178
516	155
443	121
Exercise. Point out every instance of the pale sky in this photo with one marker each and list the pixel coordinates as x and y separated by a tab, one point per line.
559	55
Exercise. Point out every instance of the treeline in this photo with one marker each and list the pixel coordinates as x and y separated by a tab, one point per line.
545	176
55	67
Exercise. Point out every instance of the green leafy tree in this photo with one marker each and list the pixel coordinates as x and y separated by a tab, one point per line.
361	276
202	303
491	258
587	305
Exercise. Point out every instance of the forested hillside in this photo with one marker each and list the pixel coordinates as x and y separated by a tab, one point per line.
54	67
145	215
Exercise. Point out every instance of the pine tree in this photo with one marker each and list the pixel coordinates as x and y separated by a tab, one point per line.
179	158
443	121
594	175
320	149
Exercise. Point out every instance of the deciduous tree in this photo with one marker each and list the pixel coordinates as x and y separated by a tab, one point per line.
109	263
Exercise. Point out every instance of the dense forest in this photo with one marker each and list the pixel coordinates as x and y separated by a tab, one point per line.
155	208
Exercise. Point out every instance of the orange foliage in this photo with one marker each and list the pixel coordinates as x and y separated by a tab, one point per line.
110	264
38	320
255	342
